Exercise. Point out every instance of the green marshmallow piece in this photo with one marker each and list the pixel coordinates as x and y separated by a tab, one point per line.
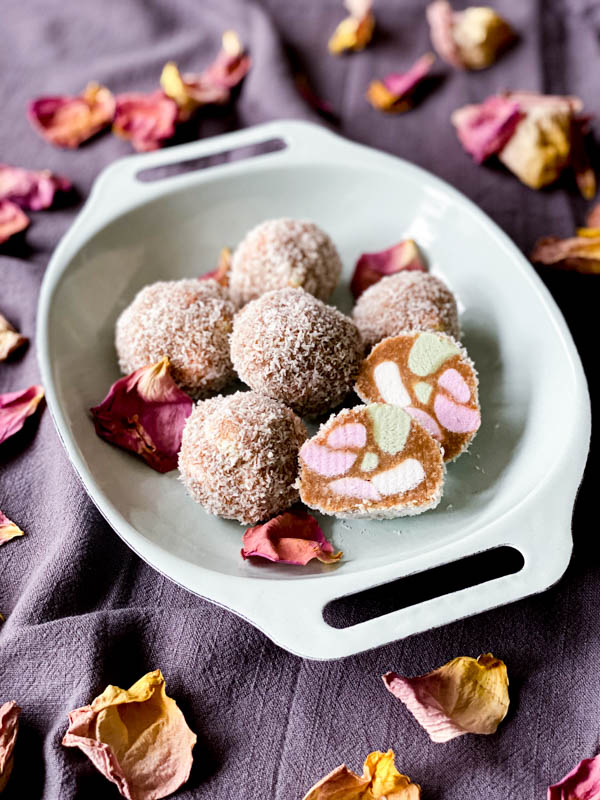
423	391
391	426
369	462
429	352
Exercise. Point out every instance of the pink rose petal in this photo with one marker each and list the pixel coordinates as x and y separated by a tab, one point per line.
454	417
12	220
214	84
221	273
67	121
394	92
137	738
9	727
484	129
289	538
426	420
147	120
582	783
371	267
401	83
30	189
440	17
8	529
453	382
324	461
15	407
351	435
355	487
231	65
145	412
466	695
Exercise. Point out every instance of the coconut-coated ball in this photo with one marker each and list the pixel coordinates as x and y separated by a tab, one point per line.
239	456
282	253
294	348
189	321
407	301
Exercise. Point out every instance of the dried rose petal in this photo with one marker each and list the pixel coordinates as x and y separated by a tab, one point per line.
372	267
540	147
145	412
356	31
393	93
593	218
68	121
12	220
9	726
580	253
380	781
466	695
441	24
137	738
8	530
469	39
15	407
221	273
534	135
10	339
582	783
290	538
30	189
147	120
484	129
231	65
214	84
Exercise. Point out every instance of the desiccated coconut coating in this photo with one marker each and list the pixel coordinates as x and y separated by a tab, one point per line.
407	301
189	321
239	456
281	253
291	346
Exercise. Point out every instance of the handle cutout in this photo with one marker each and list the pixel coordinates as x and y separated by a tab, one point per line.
344	612
205	162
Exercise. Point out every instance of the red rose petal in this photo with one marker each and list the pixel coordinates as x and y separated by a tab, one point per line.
147	120
145	412
67	121
289	538
372	267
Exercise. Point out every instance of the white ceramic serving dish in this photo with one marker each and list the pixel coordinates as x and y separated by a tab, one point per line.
518	484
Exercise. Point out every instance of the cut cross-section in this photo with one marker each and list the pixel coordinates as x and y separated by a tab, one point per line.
371	461
431	376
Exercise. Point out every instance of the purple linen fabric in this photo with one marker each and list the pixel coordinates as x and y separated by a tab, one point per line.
83	611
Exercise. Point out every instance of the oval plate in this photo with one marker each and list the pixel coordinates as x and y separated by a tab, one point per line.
517	485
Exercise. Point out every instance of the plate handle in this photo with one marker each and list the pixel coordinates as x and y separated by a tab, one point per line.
539	528
297	138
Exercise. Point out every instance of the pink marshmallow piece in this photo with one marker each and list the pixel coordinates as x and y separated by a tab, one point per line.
351	435
326	462
427	421
454	417
453	382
